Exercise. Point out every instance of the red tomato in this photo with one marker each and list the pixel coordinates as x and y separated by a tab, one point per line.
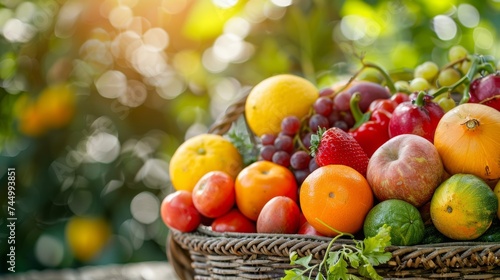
400	97
234	221
213	194
382	104
281	214
308	229
178	211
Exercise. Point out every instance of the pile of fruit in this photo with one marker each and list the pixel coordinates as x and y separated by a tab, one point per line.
421	156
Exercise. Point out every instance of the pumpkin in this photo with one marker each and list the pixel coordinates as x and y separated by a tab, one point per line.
468	141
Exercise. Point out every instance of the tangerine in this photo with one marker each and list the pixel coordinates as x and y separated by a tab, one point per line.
261	181
338	196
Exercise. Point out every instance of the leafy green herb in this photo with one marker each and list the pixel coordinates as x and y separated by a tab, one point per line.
363	256
242	140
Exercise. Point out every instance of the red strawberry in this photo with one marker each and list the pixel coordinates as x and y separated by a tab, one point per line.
335	146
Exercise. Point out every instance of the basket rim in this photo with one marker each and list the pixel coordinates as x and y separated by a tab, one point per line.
205	231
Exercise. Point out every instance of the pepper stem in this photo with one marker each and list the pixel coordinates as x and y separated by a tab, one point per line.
419	101
357	114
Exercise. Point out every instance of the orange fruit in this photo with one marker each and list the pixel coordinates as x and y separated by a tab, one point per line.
201	154
87	236
275	98
463	207
338	196
260	182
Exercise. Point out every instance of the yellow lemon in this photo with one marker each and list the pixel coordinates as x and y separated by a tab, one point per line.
201	154
275	98
86	236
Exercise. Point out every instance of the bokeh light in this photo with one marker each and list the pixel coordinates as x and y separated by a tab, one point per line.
49	250
445	27
145	207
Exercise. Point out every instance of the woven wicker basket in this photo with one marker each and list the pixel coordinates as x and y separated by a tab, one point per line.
205	254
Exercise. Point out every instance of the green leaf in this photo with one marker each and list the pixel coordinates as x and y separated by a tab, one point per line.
374	247
294	274
367	270
338	270
353	259
316	140
304	261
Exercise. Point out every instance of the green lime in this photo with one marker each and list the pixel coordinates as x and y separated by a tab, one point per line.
407	226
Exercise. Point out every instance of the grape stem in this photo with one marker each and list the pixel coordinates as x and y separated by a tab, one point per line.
366	65
479	64
387	77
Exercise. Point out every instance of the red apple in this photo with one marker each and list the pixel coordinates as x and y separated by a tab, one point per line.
234	221
178	211
406	167
213	194
281	215
307	229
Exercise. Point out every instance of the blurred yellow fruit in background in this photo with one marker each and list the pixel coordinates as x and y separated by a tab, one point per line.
57	105
277	97
54	108
201	154
86	236
28	115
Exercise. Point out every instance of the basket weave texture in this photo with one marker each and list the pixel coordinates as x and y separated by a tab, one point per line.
205	254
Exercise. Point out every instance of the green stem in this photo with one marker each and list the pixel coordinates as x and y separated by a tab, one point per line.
444	89
387	77
323	262
419	101
354	105
470	76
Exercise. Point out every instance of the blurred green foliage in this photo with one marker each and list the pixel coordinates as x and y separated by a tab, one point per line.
145	75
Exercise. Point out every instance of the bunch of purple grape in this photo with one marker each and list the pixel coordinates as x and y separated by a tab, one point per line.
291	147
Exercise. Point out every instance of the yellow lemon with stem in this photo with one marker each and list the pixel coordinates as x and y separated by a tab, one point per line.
275	98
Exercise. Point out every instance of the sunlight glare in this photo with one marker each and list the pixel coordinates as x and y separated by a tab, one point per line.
173	6
103	147
225	4
135	95
468	15
445	27
111	84
145	207
16	31
120	16
156	38
49	251
211	62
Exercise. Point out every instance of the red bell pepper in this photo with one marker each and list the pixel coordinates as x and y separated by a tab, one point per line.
419	116
372	128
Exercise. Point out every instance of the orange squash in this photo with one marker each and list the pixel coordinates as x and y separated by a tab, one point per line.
468	141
